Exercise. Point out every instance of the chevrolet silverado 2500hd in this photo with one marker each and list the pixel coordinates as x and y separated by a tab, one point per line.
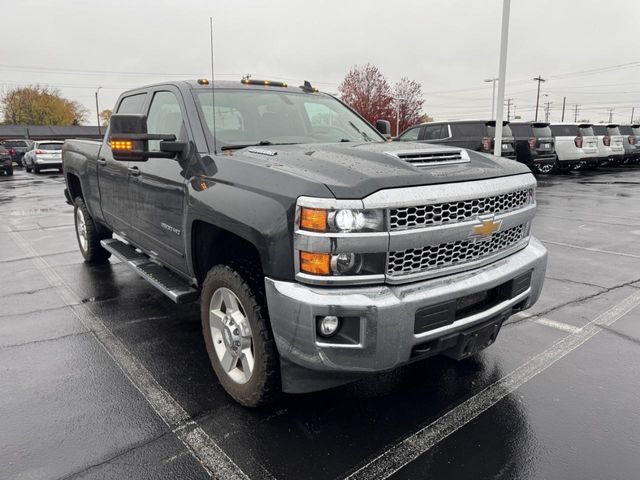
320	252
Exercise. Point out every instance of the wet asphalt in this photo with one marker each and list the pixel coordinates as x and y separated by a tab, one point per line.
69	409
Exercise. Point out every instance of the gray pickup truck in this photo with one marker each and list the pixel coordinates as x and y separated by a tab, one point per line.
320	251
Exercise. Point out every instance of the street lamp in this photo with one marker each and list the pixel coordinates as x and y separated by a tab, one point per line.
398	100
493	95
98	112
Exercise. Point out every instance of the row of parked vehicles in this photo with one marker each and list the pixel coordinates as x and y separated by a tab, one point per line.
544	147
34	156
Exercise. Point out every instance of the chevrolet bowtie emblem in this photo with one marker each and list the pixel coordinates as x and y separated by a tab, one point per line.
487	228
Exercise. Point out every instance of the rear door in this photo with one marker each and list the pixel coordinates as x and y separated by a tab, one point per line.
113	175
544	139
467	135
157	186
565	141
589	140
617	141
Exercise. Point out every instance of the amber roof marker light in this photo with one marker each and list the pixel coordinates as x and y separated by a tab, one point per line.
265	83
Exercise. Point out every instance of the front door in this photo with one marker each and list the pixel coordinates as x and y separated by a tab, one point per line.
157	187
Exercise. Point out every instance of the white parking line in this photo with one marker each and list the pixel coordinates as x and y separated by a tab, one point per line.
195	439
547	322
590	249
407	450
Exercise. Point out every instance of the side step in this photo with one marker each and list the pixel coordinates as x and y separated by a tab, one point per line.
172	285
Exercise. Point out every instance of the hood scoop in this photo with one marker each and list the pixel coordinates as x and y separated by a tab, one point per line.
432	157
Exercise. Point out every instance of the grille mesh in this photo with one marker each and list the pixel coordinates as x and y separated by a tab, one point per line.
419	260
440	213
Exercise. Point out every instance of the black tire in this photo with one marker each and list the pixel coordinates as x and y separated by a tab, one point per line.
27	168
92	251
36	168
247	283
10	171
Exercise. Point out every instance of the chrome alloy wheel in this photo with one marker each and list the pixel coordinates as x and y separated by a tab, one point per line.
81	229
546	168
231	335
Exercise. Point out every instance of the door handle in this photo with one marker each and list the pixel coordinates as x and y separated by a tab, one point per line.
101	161
134	171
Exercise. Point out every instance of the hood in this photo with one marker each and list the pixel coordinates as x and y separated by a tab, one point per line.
355	170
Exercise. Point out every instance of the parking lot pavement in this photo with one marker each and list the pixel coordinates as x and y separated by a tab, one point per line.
101	376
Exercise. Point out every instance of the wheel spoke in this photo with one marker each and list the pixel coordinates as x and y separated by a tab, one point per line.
230	301
247	361
228	361
216	319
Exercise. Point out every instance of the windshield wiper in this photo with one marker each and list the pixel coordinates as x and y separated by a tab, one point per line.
239	147
364	135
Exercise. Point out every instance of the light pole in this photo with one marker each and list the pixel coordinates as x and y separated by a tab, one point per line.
398	100
493	96
98	112
502	73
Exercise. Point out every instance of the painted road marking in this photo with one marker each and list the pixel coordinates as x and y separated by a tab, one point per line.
590	249
407	450
195	439
547	322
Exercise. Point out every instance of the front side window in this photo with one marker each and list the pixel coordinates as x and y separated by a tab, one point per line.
266	117
165	118
435	132
410	135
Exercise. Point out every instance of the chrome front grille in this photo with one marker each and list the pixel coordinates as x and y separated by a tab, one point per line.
441	213
433	257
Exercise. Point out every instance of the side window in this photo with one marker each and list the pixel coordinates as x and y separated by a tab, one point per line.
467	130
435	132
410	135
132	103
165	117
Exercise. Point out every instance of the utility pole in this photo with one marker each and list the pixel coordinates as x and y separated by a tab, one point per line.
509	103
98	113
493	96
502	73
564	102
538	79
547	111
575	112
611	115
633	109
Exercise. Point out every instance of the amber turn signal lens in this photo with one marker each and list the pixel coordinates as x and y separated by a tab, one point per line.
121	144
313	219
315	263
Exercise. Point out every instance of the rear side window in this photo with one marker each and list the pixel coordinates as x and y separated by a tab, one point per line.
521	130
50	146
467	130
410	135
565	130
625	130
586	131
132	103
435	132
600	130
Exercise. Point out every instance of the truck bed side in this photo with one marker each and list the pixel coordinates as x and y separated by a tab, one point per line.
79	160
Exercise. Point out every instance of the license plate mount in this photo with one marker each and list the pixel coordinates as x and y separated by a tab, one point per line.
470	342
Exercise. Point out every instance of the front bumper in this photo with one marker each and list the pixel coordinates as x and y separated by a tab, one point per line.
386	316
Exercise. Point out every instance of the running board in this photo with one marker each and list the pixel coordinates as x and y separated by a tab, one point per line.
169	283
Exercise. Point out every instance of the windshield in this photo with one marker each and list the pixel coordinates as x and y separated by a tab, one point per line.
15	143
254	117
586	131
506	131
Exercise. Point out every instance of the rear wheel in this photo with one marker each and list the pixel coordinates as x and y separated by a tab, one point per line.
36	168
27	167
89	234
10	171
238	336
545	168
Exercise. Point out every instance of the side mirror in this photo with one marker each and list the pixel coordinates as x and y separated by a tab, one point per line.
129	140
384	127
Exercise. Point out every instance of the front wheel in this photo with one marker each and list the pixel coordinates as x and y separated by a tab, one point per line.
36	168
10	171
238	336
89	234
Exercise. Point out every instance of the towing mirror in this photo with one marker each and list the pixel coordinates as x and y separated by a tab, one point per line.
129	140
384	127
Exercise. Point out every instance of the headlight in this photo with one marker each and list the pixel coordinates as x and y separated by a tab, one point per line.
342	264
342	221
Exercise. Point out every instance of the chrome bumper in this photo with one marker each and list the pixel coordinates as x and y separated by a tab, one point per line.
386	315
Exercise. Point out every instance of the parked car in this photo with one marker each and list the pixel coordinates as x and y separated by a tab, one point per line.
535	146
576	145
610	144
320	252
6	164
631	143
478	135
18	147
46	154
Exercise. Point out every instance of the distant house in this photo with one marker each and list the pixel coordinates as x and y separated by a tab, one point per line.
49	132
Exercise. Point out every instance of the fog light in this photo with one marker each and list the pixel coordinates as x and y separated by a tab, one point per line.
329	325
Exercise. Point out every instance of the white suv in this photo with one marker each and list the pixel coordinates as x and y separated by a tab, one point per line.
610	143
44	154
576	145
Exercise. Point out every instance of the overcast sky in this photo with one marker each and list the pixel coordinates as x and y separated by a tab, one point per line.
450	47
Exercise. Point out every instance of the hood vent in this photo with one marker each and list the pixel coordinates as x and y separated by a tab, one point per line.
425	159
